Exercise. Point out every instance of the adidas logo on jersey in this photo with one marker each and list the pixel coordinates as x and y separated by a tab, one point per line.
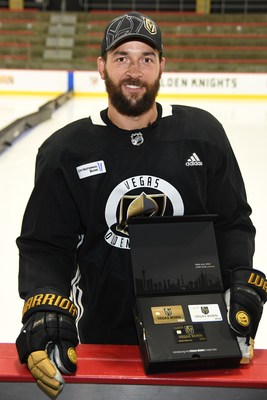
193	161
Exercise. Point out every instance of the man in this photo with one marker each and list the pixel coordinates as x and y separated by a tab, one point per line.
133	158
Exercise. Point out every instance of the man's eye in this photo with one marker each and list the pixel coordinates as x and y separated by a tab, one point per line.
121	59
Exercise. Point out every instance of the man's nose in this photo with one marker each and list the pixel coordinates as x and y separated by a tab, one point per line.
134	70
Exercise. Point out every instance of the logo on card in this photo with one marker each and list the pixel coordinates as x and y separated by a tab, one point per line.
205	310
189	329
168	311
91	169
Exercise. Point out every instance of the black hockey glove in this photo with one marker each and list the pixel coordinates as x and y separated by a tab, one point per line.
48	339
245	300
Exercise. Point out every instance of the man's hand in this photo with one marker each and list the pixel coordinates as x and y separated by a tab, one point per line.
245	300
47	342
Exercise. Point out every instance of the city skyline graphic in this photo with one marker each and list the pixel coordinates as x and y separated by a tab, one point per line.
194	282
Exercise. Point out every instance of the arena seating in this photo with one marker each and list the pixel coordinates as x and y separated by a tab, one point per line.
192	42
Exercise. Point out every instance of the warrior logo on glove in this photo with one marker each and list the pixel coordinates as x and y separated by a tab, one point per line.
72	355
51	300
242	318
258	280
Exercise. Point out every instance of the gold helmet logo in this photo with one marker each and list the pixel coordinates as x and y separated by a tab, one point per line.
242	318
150	26
72	355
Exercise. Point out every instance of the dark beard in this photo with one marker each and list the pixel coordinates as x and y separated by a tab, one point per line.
127	106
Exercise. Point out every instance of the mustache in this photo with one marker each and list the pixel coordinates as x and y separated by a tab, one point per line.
131	81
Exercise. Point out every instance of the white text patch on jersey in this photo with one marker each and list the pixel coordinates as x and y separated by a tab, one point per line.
90	169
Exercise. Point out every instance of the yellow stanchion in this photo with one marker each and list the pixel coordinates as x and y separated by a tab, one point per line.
16	4
203	6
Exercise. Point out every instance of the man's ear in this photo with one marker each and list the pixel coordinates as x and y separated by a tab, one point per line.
162	64
101	66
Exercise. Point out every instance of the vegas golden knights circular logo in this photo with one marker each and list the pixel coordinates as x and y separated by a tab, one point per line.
143	195
242	318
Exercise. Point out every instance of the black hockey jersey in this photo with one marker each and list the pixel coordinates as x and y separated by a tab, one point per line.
91	176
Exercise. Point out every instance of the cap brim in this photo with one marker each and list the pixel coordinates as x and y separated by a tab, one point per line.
139	38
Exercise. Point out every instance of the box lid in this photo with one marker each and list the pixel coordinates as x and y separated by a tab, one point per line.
175	254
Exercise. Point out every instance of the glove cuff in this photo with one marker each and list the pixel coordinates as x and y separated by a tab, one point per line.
48	300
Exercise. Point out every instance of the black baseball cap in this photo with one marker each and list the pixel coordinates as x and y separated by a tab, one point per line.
131	26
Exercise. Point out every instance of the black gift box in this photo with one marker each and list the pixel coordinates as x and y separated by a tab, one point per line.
180	312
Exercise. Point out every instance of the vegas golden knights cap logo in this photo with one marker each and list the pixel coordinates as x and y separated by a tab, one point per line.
205	310
150	26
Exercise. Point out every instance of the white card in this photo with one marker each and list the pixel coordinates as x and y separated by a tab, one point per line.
205	312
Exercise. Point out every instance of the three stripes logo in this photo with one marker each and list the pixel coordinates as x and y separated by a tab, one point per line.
194	161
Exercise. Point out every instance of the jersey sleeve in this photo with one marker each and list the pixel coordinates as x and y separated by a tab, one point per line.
50	231
226	196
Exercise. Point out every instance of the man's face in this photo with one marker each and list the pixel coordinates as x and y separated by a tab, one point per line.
132	76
